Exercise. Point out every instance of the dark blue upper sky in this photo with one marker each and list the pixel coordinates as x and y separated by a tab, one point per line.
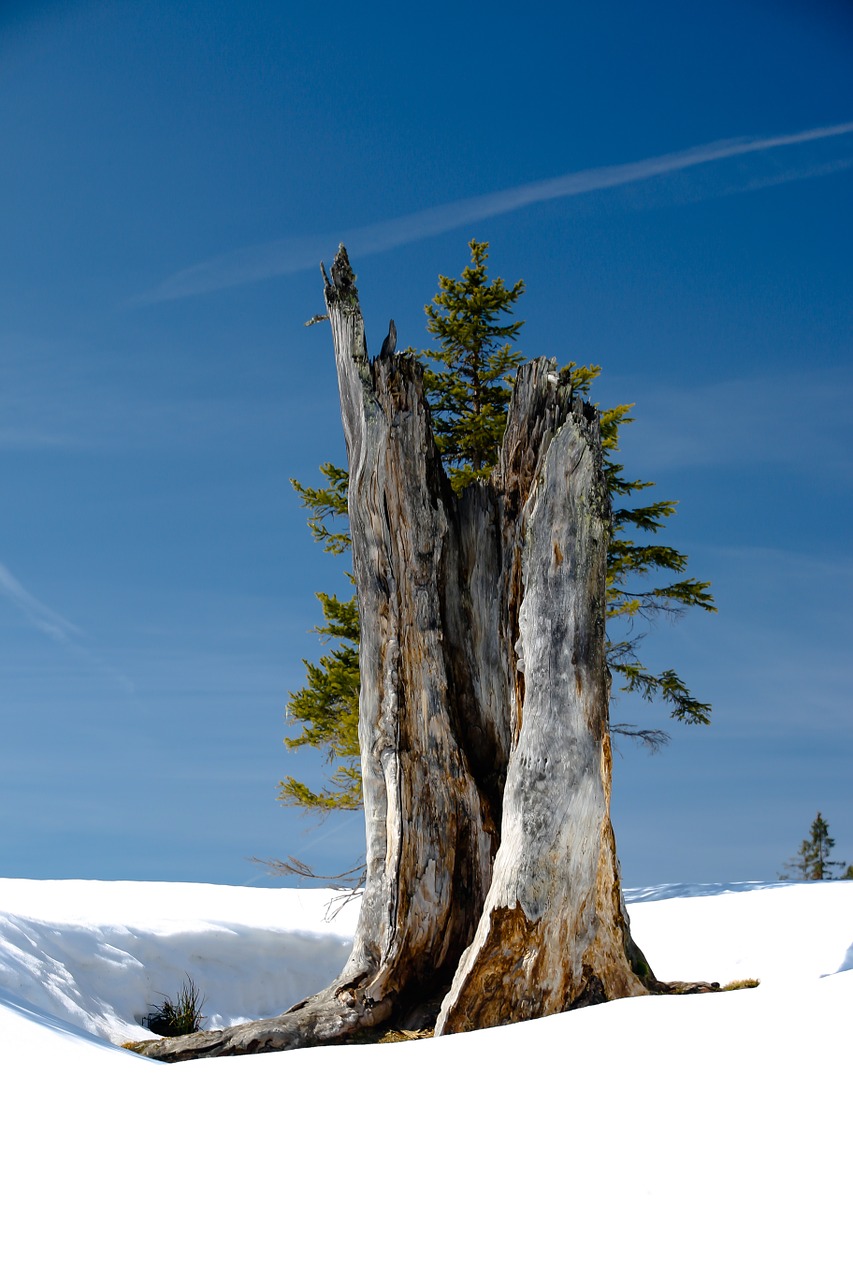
170	176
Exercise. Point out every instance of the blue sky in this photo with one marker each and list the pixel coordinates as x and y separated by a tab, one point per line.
675	185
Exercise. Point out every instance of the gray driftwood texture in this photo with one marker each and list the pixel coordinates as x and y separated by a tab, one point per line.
492	880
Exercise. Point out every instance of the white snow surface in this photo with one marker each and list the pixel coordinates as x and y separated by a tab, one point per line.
694	1136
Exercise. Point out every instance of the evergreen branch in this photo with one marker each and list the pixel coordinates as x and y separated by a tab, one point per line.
344	793
668	686
653	739
353	878
326	503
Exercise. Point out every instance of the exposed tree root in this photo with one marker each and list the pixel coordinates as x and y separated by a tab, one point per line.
331	1016
339	1016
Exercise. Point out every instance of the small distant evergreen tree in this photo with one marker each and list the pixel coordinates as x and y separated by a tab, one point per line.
813	862
468	377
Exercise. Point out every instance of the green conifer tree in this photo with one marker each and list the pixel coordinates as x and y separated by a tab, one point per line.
812	861
468	378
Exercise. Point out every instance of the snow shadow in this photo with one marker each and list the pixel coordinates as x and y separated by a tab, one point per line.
660	892
846	963
24	1009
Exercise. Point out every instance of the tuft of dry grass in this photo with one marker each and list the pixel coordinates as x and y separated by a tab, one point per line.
181	1016
393	1036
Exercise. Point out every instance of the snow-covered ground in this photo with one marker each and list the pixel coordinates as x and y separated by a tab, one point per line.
699	1136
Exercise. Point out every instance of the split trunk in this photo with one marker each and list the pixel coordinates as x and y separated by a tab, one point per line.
493	891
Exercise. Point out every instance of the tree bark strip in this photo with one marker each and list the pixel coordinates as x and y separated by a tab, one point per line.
554	932
430	839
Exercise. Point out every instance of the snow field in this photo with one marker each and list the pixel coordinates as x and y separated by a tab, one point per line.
697	1136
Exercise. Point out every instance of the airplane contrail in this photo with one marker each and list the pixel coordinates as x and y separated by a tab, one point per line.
42	618
58	629
286	257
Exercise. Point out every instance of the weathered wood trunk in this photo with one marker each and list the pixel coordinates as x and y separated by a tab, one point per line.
554	933
492	879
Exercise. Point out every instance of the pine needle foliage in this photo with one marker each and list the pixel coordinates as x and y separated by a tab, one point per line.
633	592
468	378
327	705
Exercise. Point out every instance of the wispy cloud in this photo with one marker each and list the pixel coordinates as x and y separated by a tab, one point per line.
286	257
735	423
39	615
58	629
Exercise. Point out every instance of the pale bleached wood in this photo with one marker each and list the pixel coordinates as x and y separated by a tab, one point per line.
554	932
429	849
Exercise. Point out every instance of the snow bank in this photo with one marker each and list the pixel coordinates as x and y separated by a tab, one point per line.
779	933
101	954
